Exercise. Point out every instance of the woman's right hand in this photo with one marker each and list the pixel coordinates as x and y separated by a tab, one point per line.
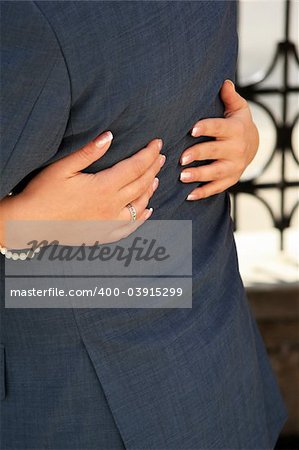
61	192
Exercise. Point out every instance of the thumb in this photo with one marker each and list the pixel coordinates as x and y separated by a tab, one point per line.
91	152
231	99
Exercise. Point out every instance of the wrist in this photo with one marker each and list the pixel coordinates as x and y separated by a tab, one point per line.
10	209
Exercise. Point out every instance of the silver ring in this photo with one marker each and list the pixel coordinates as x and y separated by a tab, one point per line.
132	212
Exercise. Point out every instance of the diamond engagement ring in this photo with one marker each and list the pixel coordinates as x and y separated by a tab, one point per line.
132	212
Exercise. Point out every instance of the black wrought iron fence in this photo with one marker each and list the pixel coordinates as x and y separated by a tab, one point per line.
285	54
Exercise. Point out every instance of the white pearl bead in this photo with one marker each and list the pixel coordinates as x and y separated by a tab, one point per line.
15	256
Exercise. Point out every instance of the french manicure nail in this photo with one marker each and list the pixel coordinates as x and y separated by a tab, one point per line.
149	213
195	130
191	197
155	183
160	144
230	81
162	160
103	139
186	159
185	176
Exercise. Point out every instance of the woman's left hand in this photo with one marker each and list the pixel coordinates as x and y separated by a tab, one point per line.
236	144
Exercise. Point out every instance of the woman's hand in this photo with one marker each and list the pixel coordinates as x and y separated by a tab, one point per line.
61	192
236	144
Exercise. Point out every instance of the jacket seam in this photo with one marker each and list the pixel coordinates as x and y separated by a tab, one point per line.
63	57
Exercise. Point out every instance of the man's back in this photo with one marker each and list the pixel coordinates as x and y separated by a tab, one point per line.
141	69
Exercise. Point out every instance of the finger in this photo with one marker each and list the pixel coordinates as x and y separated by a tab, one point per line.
206	150
138	187
128	229
232	100
210	172
79	160
212	188
215	127
140	203
130	169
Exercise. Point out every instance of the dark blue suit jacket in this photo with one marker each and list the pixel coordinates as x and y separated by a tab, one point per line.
162	379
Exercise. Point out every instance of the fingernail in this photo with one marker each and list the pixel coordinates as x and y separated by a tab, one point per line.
185	159
103	139
149	213
160	144
155	183
162	160
195	130
230	81
185	176
191	197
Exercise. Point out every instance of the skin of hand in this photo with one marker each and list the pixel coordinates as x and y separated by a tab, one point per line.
236	144
61	192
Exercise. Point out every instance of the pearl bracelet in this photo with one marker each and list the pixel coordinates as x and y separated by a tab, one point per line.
9	254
